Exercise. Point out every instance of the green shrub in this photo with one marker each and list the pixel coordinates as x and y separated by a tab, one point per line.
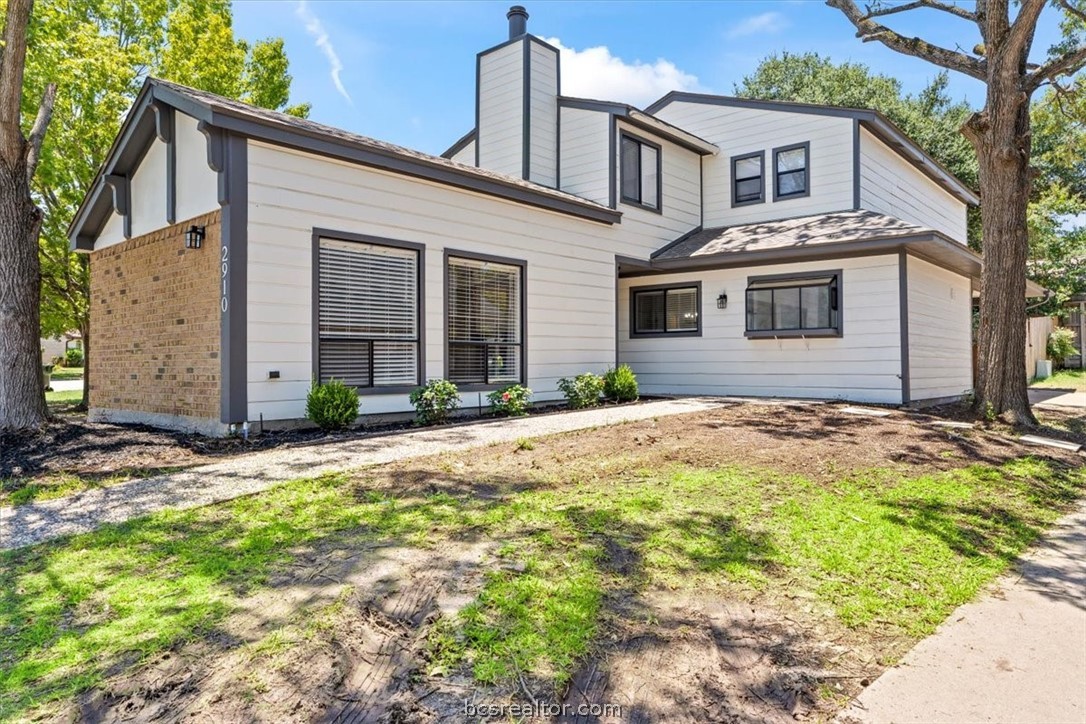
1061	345
582	391
73	357
435	401
512	400
620	384
332	405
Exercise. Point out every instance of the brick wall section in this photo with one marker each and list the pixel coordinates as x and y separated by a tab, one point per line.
154	320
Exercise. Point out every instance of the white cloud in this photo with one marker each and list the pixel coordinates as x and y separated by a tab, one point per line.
595	73
764	24
315	28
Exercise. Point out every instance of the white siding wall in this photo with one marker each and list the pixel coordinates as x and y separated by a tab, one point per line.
197	184
584	150
940	332
466	155
739	131
149	191
543	88
570	277
863	365
501	110
891	185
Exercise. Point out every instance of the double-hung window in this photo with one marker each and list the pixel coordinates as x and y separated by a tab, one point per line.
368	316
748	179
794	305
665	311
485	317
790	168
640	172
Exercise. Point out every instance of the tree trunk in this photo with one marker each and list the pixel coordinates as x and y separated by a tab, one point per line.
1001	136
22	395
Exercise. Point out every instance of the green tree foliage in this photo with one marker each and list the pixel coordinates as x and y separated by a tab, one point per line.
98	52
930	117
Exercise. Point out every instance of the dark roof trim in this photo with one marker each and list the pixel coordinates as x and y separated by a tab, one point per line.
645	122
460	145
878	124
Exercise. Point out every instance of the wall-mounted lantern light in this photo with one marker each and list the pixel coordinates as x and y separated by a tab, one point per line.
194	237
722	301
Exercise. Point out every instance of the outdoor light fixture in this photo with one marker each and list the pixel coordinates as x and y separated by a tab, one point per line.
194	237
722	301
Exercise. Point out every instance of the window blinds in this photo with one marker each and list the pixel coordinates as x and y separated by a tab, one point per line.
484	318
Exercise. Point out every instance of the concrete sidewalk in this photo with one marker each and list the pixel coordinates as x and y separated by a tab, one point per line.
1016	655
247	474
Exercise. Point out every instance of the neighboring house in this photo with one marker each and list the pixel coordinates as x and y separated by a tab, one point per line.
717	245
56	347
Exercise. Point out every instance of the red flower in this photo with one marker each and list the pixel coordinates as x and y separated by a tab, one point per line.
505	397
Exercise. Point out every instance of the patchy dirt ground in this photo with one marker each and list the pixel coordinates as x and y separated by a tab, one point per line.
340	634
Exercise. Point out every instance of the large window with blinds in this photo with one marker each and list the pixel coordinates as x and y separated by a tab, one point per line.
671	311
369	308
485	318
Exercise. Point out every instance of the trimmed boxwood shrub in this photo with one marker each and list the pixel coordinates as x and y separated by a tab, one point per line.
512	400
332	405
435	401
620	384
582	391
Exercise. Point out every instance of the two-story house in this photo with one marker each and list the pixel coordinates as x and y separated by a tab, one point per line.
717	245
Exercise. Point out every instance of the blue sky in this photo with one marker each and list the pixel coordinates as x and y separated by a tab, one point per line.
405	71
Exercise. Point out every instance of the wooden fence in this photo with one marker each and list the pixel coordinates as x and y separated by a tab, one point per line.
1037	331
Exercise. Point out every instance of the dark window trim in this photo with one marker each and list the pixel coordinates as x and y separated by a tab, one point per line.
420	250
622	134
634	291
461	254
760	155
806	146
836	331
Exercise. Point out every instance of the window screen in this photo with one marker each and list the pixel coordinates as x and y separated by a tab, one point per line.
484	321
640	172
791	172
747	186
659	311
368	316
793	304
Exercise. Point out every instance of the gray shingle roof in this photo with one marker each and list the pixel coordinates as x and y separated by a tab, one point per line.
796	233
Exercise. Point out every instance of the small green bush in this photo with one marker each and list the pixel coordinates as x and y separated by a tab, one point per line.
620	384
332	405
512	400
582	391
73	357
435	401
1061	345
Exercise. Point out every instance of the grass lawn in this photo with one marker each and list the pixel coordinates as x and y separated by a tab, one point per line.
63	397
1064	379
889	548
67	373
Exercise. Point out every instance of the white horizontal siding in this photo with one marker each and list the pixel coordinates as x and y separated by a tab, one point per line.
543	88
739	131
584	149
891	185
501	110
197	184
862	365
570	275
940	332
148	188
466	155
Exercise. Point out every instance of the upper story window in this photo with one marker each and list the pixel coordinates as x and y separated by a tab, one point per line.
790	167
748	179
369	300
671	310
794	305
640	172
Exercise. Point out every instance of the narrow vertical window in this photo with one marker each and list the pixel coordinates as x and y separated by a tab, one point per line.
640	177
790	172
485	321
748	179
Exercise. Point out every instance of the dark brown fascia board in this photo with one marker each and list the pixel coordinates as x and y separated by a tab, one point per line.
875	121
623	111
460	145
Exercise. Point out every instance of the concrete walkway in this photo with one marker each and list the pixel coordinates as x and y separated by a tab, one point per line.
36	522
1057	398
1017	655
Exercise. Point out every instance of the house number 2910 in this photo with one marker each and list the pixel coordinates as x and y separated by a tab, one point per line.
225	270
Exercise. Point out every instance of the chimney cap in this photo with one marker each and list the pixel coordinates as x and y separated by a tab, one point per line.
518	21
516	10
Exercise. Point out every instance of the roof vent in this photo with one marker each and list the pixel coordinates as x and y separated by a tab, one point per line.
518	21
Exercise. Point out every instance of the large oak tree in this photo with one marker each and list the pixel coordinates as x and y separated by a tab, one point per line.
1000	134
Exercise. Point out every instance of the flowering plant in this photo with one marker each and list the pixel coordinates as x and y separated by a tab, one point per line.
513	400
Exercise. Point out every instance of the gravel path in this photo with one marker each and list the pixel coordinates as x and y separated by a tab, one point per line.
247	474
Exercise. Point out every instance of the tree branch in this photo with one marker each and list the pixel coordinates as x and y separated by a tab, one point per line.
1020	36
11	80
37	131
868	30
1066	64
1072	10
932	4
